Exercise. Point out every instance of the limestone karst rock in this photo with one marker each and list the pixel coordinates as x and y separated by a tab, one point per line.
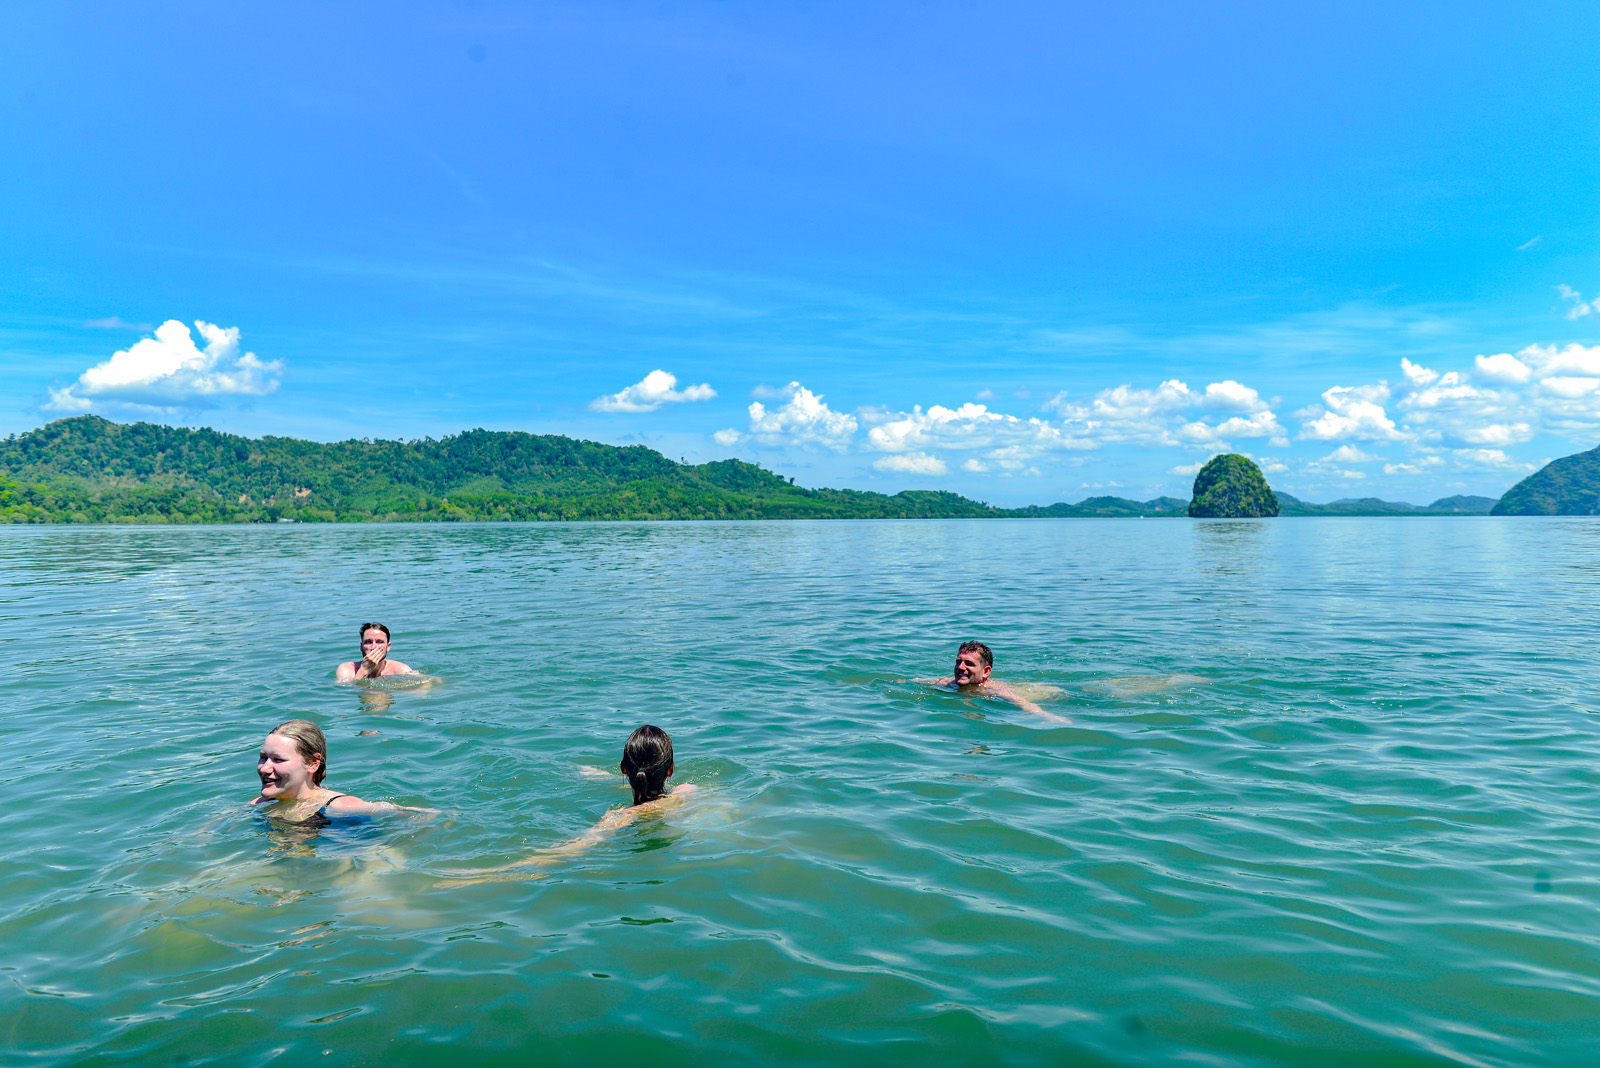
1231	486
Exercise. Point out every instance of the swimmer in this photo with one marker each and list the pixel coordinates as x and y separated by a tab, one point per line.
974	662
374	657
647	762
293	761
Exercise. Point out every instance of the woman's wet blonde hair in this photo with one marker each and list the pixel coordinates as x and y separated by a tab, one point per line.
309	740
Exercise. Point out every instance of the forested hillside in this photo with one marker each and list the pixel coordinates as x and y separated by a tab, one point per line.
1567	486
89	470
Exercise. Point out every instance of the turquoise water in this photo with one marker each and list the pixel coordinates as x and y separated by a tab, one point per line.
1328	796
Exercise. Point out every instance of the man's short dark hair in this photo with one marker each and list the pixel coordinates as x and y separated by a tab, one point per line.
362	633
981	649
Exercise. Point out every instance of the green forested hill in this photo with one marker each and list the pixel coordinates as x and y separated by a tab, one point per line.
1568	486
90	470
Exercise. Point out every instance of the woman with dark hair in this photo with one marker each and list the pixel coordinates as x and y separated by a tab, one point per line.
374	657
292	764
647	762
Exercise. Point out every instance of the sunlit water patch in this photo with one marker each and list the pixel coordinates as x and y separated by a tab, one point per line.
1327	795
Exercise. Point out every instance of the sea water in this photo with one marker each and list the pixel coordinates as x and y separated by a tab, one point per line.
1330	795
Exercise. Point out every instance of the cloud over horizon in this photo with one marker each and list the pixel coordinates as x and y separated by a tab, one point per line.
912	463
804	419
1159	417
651	392
1006	440
168	372
1421	422
1507	399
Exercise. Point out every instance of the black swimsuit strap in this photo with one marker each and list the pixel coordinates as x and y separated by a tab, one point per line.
323	811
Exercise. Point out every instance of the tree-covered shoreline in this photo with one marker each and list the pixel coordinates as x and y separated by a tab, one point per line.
89	470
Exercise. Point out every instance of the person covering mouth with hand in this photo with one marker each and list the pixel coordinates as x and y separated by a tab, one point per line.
374	657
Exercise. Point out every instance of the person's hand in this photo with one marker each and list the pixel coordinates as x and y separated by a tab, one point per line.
372	661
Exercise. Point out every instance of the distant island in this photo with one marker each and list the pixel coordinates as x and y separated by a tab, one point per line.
90	470
1231	486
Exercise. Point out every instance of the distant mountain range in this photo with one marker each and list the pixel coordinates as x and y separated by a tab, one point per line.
90	470
1457	505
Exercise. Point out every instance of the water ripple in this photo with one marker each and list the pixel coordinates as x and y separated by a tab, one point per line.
1326	795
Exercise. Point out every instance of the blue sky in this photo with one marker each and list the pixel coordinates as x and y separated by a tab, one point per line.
1027	252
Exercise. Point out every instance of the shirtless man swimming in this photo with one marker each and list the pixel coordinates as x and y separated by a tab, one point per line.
374	657
974	662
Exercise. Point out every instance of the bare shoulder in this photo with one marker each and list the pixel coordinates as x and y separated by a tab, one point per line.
394	667
673	799
345	672
347	803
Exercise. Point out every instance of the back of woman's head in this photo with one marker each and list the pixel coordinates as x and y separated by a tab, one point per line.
647	761
308	739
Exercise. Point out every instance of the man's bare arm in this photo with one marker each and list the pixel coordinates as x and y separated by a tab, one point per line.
1004	692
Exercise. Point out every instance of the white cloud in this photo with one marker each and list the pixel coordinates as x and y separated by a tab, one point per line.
727	437
985	394
169	371
1498	434
1574	359
1579	308
1351	412
1187	470
803	420
1124	405
1349	454
116	322
1262	424
1006	439
651	392
1273	467
975	466
1424	465
1490	458
1416	374
1230	396
1569	387
1503	367
1468	417
1125	415
914	463
1509	399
